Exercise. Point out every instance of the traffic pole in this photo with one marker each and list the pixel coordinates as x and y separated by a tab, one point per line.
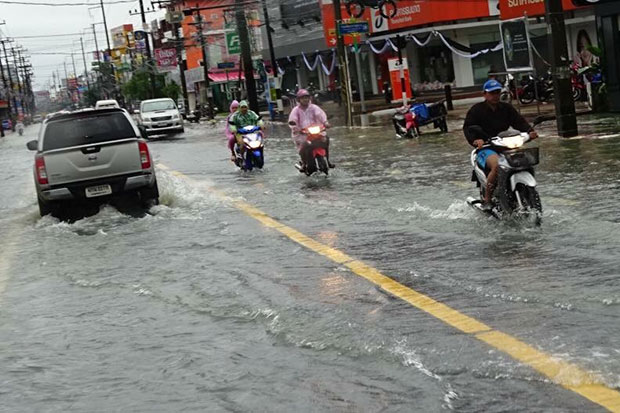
343	68
400	44
274	63
563	96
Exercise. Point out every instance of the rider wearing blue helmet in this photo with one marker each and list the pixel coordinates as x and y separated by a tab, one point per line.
486	120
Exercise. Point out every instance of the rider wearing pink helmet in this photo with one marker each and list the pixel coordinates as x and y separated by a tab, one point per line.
229	134
304	115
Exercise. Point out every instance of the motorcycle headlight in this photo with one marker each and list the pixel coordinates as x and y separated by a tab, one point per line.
255	144
314	130
514	141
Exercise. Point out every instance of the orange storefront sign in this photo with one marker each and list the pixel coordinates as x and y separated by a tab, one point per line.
410	13
512	9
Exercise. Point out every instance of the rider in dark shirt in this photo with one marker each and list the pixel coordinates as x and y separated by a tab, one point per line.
492	117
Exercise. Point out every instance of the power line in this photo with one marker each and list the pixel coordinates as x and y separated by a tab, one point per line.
23	3
48	35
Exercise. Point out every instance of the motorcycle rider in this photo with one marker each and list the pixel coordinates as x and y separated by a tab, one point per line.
492	117
20	127
229	134
242	118
304	115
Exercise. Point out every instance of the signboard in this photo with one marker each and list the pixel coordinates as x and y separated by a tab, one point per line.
394	67
233	45
511	9
166	59
226	65
120	35
410	13
291	11
350	28
517	50
173	16
140	40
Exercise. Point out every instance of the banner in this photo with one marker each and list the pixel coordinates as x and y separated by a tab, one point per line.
516	40
166	59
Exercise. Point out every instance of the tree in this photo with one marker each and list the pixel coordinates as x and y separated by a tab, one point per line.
172	90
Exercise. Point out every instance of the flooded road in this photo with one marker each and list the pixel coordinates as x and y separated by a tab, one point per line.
197	306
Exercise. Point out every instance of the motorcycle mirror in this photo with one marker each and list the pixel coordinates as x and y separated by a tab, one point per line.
292	123
32	145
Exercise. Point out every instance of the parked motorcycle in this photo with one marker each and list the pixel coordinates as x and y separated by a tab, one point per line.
541	88
405	123
253	155
316	137
515	192
580	92
509	90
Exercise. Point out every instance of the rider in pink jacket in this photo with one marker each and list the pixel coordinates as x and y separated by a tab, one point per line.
304	115
229	134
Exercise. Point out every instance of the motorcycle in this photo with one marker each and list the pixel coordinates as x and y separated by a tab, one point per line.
580	92
509	91
541	88
515	191
253	156
405	123
20	128
315	135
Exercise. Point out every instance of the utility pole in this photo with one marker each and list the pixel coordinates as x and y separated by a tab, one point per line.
343	68
107	38
274	63
205	61
85	68
246	55
98	60
6	88
180	45
75	76
11	88
149	60
564	103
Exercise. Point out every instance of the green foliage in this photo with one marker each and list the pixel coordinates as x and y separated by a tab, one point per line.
139	87
172	90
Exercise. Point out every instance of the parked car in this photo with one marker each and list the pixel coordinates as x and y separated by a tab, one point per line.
103	104
160	116
91	155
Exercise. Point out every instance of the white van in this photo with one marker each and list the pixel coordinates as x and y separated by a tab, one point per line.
160	116
106	104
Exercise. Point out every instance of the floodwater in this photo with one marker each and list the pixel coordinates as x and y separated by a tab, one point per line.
196	306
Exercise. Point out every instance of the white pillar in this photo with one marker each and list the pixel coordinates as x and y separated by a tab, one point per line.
463	69
413	59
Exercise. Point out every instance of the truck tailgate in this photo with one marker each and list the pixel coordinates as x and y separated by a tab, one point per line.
93	161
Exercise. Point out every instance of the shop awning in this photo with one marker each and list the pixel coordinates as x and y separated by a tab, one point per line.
233	76
220	77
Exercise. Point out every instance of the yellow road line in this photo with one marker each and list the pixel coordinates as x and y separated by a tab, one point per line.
565	374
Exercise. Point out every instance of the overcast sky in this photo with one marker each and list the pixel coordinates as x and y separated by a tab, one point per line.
31	20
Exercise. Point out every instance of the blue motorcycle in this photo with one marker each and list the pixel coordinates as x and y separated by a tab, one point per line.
253	155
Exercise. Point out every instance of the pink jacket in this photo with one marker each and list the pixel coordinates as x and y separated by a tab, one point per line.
312	115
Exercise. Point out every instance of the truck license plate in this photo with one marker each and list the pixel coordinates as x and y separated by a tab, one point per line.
99	190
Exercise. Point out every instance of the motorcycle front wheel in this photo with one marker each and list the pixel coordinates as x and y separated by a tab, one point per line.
322	163
530	207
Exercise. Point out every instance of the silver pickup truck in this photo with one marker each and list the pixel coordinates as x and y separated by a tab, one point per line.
91	156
